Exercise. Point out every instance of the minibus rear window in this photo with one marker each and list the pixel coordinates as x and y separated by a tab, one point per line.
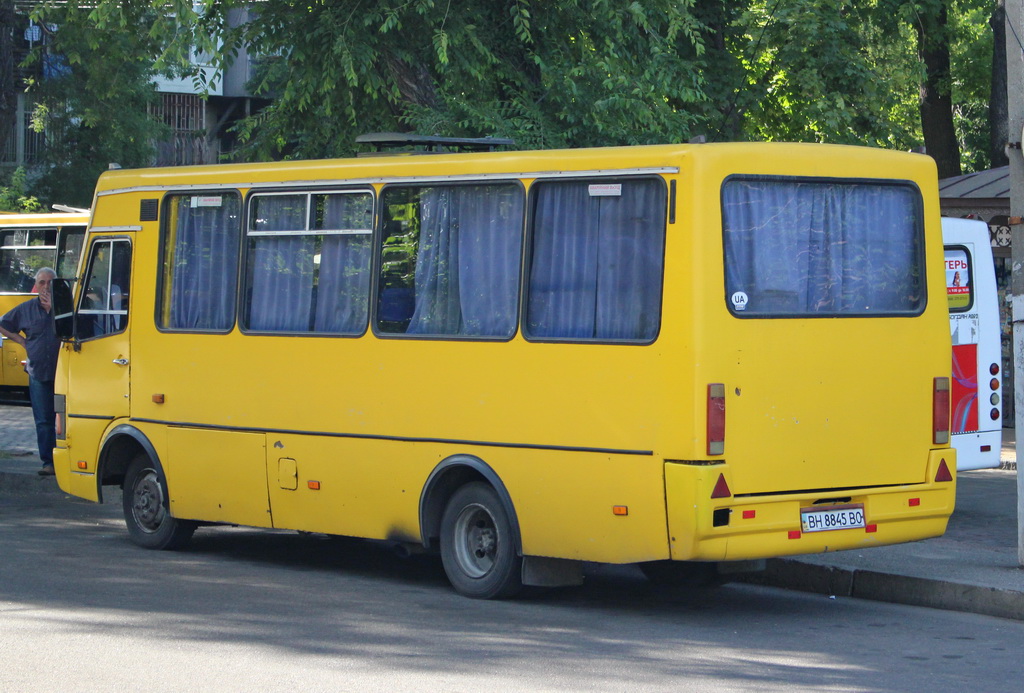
959	283
822	248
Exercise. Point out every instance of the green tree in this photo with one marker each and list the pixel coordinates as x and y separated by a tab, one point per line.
14	196
889	73
825	71
958	77
94	101
545	74
931	23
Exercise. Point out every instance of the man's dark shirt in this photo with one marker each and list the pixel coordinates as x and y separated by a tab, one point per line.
41	342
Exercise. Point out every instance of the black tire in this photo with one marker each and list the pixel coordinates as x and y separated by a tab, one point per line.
477	547
683	574
146	511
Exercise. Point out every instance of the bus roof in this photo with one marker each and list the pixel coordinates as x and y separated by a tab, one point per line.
44	219
666	158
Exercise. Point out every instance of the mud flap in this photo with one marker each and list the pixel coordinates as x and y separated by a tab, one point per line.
539	571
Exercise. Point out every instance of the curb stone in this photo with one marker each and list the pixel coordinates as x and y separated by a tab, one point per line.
794	574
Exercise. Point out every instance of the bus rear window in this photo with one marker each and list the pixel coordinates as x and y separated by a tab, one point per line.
821	248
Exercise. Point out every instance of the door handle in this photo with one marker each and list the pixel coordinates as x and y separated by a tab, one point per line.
121	362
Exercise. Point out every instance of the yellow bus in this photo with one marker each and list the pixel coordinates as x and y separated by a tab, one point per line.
29	242
675	355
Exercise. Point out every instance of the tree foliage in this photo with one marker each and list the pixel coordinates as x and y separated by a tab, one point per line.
14	196
570	73
547	74
861	72
824	71
94	100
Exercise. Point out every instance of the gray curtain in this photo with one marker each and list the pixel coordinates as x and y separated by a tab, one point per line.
203	265
281	267
344	282
822	247
597	259
467	263
316	278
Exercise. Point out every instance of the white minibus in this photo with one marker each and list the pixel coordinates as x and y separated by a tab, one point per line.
975	400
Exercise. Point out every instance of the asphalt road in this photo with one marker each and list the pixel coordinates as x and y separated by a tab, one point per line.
83	609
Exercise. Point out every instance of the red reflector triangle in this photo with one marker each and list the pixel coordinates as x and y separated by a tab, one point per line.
943	473
722	488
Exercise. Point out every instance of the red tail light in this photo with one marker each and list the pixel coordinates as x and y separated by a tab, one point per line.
940	411
716	419
943	473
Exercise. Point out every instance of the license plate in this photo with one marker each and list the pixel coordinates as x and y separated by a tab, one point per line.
830	517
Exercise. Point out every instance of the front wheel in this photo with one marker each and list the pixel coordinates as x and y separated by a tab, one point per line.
477	548
146	515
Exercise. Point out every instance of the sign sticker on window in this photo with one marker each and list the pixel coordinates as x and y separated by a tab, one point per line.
605	190
739	300
206	201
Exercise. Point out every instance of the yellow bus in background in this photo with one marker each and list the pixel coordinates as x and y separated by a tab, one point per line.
29	242
680	355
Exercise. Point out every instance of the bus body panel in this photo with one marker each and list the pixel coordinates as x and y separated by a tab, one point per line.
336	486
818	403
601	447
345	443
977	348
218	476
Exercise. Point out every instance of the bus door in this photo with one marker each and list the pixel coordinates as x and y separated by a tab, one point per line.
99	360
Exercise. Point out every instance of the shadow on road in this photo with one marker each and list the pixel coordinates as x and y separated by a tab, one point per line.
70	563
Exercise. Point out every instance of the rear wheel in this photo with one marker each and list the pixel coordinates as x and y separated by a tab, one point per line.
477	548
146	514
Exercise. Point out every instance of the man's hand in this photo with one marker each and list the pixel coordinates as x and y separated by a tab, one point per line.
15	337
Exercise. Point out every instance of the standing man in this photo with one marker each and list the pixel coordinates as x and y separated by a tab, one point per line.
35	319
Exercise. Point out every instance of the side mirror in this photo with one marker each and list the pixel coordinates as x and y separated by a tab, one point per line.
63	308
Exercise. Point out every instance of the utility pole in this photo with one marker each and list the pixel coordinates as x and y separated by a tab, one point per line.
1015	97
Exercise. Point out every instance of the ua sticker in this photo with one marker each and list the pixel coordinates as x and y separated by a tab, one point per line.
739	300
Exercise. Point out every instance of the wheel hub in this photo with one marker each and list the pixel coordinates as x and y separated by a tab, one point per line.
477	541
147	503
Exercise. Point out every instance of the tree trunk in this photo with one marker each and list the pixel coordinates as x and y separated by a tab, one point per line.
936	101
8	92
998	107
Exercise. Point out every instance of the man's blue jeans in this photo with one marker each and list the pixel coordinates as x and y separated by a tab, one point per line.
41	395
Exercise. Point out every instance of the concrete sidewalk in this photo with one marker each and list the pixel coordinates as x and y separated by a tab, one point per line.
973	567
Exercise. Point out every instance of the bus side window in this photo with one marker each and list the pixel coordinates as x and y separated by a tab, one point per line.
104	305
308	262
199	271
450	258
597	260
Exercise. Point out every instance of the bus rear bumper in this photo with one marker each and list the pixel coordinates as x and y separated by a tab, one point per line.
978	450
753	527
